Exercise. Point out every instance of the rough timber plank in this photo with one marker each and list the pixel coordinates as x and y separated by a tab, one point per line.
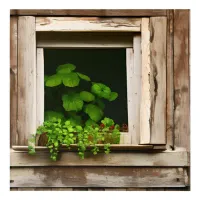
91	12
170	80
97	177
77	24
145	134
135	87
13	81
153	92
91	40
181	78
26	78
130	95
166	158
158	39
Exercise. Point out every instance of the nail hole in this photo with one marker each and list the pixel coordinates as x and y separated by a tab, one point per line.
178	179
11	181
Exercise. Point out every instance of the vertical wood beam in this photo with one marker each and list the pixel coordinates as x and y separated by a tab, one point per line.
181	78
170	80
13	81
26	78
153	86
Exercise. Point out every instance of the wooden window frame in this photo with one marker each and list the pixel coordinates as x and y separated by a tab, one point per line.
144	132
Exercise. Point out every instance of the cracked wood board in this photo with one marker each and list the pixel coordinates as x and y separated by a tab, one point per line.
153	92
84	24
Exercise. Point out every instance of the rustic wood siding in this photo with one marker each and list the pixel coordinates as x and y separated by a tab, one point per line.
162	177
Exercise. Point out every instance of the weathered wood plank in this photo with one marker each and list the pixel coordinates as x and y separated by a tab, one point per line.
181	78
77	24
135	90
130	95
13	81
80	189
167	158
74	147
61	189
96	189
158	29
43	189
153	87
97	177
145	105
135	189
84	40
26	189
115	189
90	12
26	79
13	189
170	80
40	87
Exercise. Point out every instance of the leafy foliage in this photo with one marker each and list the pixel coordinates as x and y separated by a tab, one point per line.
76	116
61	132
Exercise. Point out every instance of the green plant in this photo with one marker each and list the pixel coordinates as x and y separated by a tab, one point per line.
75	116
61	132
78	98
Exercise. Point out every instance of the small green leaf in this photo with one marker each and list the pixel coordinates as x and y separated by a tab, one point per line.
113	96
101	90
65	69
53	80
71	79
83	76
87	96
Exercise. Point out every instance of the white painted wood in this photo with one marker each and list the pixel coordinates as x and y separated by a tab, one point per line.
145	106
76	24
130	93
40	86
135	89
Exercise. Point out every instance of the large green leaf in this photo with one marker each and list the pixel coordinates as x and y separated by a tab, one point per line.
87	96
113	96
65	69
49	115
71	79
94	112
83	76
101	90
53	80
75	121
72	102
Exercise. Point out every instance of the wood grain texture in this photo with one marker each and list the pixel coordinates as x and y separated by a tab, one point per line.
84	40
170	80
26	79
145	105
40	87
162	159
77	24
153	87
97	177
135	87
13	81
181	78
158	29
130	95
90	12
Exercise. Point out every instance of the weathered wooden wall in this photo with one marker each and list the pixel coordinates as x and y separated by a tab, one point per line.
177	116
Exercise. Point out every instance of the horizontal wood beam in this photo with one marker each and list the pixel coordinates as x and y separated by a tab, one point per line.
84	40
115	147
87	24
162	159
90	12
98	177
